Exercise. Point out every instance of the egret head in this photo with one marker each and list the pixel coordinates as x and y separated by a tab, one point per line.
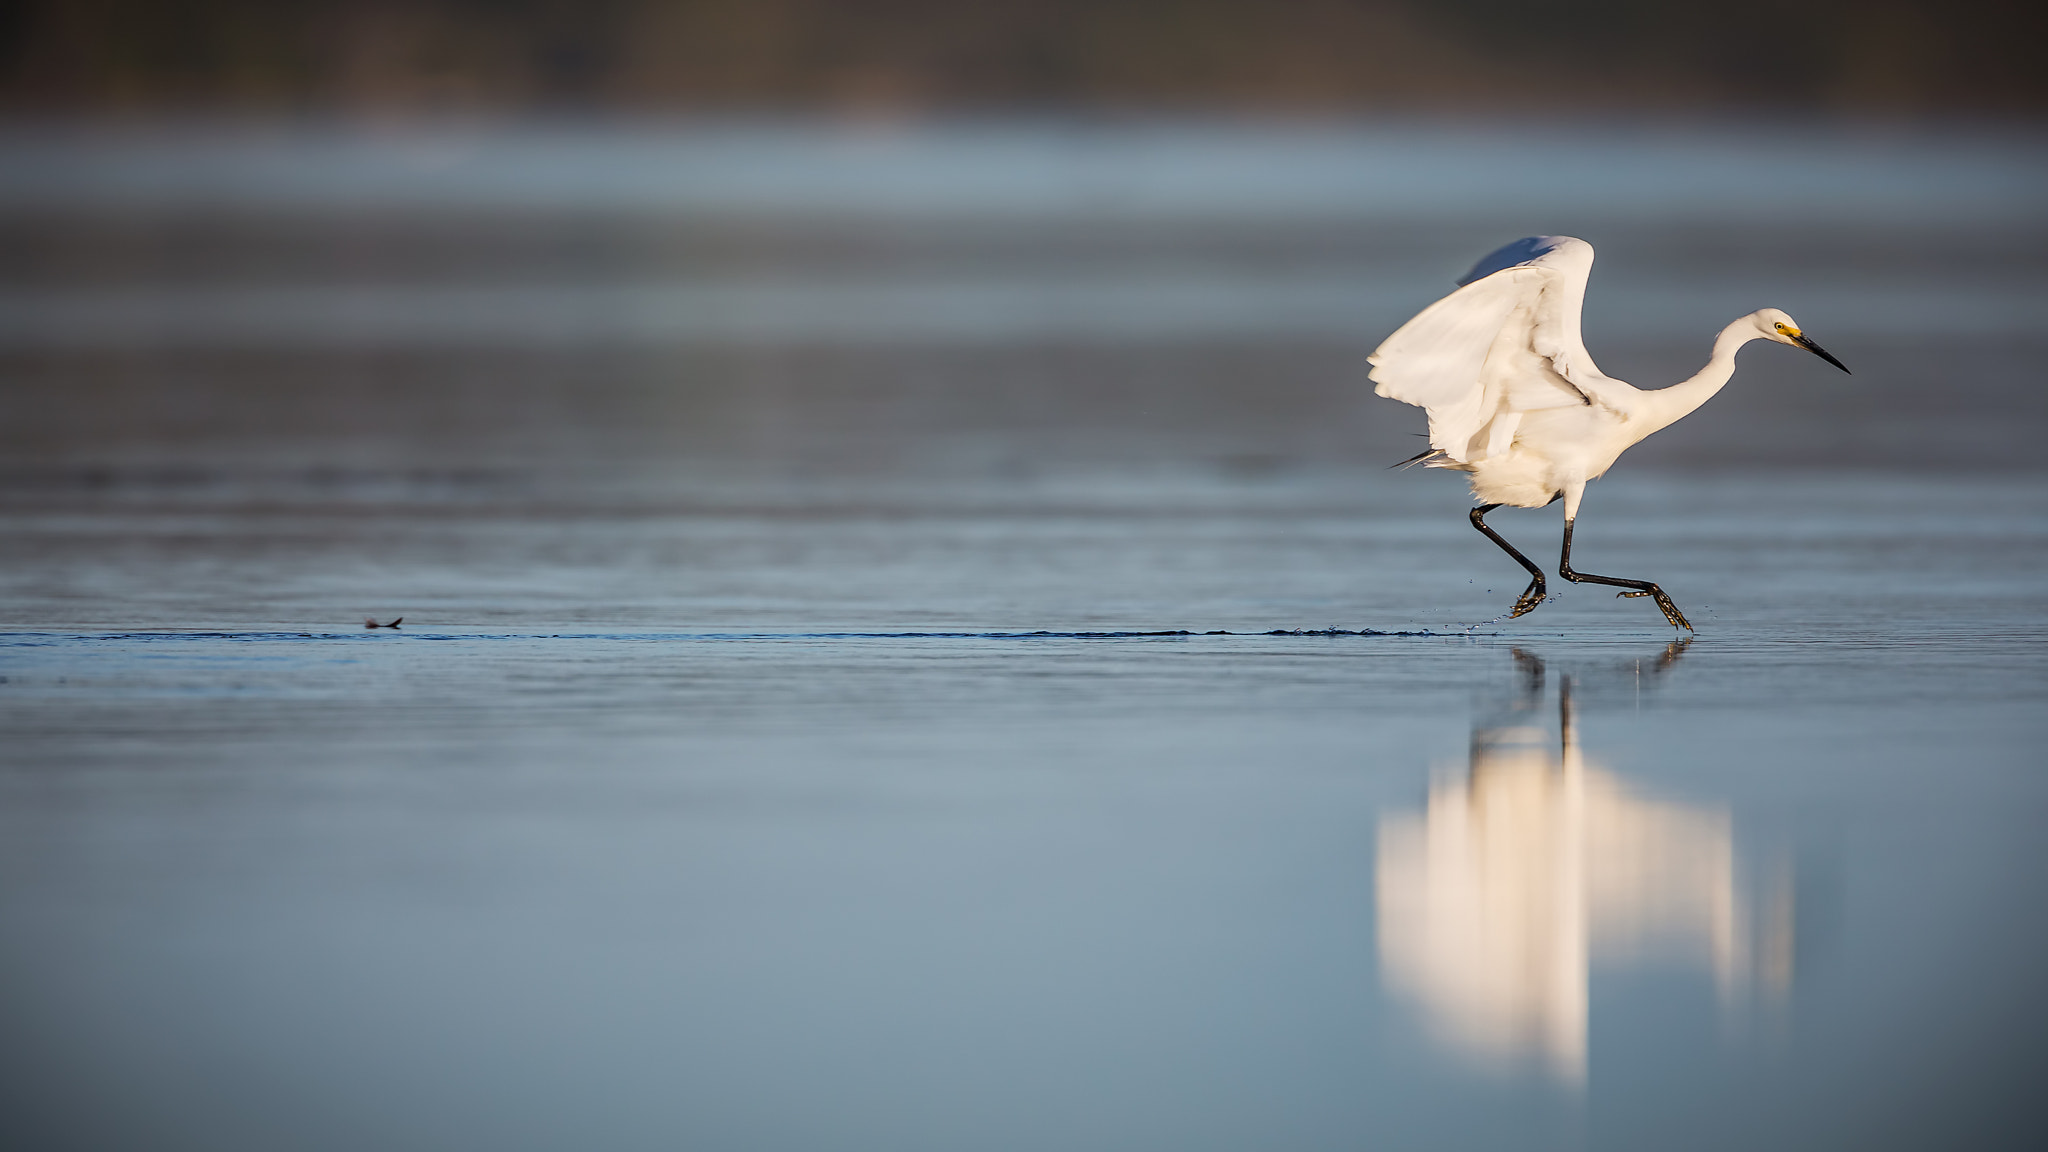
1775	325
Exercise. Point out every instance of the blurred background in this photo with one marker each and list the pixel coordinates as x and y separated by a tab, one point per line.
764	237
717	388
1008	238
904	56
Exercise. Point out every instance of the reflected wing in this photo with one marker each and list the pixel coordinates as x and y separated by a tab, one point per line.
1506	342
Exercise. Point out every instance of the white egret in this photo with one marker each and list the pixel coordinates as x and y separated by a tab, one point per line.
1514	400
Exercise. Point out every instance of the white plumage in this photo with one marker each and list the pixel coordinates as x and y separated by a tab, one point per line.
1515	400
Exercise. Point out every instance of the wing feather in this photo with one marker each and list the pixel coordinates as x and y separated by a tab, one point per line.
1505	343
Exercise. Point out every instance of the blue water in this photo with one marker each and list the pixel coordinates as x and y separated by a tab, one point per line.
857	727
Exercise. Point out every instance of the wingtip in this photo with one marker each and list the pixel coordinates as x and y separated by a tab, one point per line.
1516	254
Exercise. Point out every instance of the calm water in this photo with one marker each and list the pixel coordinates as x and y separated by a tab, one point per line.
781	748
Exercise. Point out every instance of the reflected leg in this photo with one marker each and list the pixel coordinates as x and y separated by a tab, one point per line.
1532	595
1630	587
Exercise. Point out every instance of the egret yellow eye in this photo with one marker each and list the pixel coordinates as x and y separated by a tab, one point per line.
1786	329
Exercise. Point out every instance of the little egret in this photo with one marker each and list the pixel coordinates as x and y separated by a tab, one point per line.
1514	399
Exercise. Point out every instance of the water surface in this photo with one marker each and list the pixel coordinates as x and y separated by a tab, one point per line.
938	663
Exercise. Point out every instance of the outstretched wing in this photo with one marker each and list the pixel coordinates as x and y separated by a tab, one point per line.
1505	343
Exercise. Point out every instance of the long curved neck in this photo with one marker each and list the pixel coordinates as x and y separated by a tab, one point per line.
1669	405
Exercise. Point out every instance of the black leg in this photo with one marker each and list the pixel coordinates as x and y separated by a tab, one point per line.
1532	595
1630	587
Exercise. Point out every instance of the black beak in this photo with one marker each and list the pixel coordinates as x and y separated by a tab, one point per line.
1821	352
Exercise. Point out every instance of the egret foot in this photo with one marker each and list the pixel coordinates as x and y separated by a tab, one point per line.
1532	596
1671	611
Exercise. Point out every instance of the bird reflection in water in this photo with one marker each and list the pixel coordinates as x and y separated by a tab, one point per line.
1498	899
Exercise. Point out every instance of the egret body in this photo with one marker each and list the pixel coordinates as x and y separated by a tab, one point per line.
1515	401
